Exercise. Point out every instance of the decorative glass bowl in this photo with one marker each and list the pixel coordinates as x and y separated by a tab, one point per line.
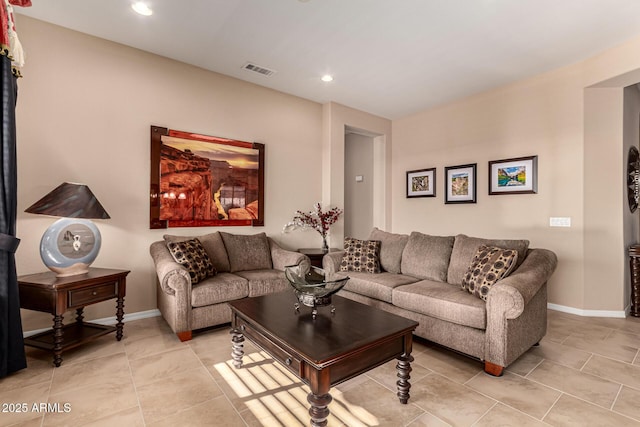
313	286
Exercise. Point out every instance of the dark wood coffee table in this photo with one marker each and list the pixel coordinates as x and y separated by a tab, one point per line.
327	350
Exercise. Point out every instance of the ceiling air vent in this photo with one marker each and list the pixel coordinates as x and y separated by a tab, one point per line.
258	69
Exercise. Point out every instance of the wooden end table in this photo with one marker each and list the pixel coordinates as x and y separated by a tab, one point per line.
315	255
48	293
325	350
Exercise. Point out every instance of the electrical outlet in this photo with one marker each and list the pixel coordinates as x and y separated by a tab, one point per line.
559	221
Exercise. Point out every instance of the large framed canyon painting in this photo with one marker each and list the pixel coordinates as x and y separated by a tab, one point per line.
202	181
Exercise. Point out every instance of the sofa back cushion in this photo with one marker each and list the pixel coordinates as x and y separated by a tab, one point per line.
391	247
214	246
247	252
427	257
465	248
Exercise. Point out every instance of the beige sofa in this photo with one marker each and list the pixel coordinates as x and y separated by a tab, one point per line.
421	279
246	266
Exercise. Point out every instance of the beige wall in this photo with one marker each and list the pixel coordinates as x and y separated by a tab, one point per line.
580	153
84	111
603	202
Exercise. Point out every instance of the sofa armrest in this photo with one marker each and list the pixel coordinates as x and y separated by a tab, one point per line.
331	261
517	310
511	294
281	257
172	276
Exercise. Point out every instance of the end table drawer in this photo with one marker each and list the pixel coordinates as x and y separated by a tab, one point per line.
82	297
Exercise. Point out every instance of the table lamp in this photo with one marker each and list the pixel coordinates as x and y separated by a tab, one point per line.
72	243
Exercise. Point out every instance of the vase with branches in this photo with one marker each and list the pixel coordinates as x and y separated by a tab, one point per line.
317	220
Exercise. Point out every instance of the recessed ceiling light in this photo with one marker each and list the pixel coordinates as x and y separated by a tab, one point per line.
327	78
142	8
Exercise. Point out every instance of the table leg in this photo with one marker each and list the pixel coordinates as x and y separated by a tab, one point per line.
404	369
79	315
237	344
119	317
58	332
319	409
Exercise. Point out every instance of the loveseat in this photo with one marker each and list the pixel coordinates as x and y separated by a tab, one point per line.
217	268
421	279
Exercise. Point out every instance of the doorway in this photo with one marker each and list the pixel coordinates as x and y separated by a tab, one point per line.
363	182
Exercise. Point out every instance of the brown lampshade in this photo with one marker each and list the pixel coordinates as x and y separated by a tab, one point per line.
70	201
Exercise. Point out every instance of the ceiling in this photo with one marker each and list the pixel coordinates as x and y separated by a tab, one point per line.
387	58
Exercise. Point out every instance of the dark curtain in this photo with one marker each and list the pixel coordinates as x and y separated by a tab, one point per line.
12	356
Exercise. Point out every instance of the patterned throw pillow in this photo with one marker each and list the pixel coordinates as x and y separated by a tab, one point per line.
361	255
192	255
489	265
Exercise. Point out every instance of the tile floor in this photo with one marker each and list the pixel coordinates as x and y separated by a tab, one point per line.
586	372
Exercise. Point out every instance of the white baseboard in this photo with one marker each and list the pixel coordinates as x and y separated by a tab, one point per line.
128	317
588	313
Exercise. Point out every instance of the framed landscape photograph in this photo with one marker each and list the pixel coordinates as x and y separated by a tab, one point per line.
202	181
421	183
460	184
514	176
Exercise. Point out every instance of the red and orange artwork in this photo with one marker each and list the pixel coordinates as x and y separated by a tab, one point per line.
206	181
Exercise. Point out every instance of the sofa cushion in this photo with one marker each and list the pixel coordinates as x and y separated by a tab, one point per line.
192	255
489	265
247	252
465	247
442	301
221	288
214	246
262	282
427	257
361	255
378	286
391	247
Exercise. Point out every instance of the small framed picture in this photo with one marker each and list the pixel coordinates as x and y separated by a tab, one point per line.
460	184
514	176
421	183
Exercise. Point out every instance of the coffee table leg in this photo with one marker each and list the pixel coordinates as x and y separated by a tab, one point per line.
319	410
404	369
57	339
237	344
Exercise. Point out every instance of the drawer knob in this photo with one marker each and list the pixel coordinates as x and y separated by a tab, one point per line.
288	361
94	293
243	327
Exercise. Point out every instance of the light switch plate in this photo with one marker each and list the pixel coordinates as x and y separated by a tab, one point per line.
559	221
359	178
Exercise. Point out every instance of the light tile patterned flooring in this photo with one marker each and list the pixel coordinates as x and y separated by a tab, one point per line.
586	372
